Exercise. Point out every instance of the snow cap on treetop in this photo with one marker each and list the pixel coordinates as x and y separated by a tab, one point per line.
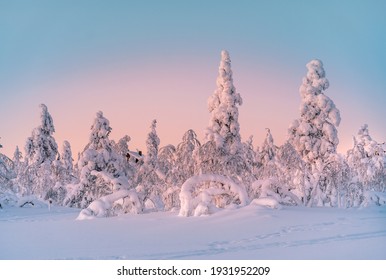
225	55
315	81
46	119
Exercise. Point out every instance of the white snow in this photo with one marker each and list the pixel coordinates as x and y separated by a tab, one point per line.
251	232
204	197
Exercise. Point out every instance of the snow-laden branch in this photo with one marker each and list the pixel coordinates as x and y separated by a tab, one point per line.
271	188
102	207
190	202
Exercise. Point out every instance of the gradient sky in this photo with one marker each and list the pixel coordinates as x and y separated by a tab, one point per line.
142	60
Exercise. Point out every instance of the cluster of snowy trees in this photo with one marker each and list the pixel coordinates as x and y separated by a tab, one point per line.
198	178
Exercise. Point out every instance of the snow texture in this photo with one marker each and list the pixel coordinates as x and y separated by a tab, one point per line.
199	202
253	232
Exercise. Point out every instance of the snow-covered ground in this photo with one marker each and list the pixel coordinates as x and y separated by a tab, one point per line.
251	232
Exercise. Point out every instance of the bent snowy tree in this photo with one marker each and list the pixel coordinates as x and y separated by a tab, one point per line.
197	200
106	206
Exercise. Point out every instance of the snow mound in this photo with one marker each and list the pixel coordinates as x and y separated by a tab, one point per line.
197	202
104	206
267	202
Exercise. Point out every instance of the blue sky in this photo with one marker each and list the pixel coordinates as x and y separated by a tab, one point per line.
140	60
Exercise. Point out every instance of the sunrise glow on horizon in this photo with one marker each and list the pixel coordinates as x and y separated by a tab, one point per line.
139	61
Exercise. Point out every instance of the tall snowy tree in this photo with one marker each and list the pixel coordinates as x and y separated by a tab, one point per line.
222	153
224	128
41	151
101	168
41	146
314	134
149	176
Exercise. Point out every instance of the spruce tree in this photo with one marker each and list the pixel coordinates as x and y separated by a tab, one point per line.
101	168
222	152
314	135
367	165
41	151
150	187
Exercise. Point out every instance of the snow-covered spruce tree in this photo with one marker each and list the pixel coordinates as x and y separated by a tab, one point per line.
19	168
222	152
167	163
314	134
221	156
291	170
249	174
67	163
168	170
101	168
149	177
63	171
17	159
249	154
7	172
40	151
267	155
7	177
367	166
186	153
278	172
122	149
178	165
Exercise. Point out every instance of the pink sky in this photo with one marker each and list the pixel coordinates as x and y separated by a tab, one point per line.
174	94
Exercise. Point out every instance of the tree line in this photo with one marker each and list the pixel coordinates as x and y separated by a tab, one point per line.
222	170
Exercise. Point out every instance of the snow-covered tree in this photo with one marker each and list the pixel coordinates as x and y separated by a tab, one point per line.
41	146
222	153
7	177
186	153
291	171
167	163
249	155
224	128
367	166
150	186
248	175
63	171
178	164
168	170
18	168
314	134
122	149
67	162
17	158
266	159
7	172
101	168
41	151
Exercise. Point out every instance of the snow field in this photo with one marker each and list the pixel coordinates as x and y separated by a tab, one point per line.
250	232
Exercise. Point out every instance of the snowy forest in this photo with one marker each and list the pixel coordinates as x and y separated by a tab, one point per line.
202	176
